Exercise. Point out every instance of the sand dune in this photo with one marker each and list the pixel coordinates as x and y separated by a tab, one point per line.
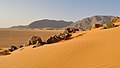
94	49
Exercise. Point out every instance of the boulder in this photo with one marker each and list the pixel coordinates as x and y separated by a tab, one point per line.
20	46
34	40
71	30
64	35
49	40
96	25
53	39
75	30
12	48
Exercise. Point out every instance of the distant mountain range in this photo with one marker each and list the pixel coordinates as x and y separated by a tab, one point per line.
49	23
85	23
46	24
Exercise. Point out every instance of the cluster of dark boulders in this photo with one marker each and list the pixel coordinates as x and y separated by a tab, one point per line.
10	49
34	40
37	41
58	37
111	24
7	51
108	25
62	36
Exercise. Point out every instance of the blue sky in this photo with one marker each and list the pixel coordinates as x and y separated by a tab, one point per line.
23	12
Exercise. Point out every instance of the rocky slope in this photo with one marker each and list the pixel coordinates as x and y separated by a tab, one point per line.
86	23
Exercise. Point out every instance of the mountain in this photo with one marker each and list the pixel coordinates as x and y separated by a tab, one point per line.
19	26
49	23
86	23
46	24
83	24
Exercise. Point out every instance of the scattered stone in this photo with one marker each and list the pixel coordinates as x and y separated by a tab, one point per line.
111	24
36	40
108	25
20	46
117	19
71	30
12	48
97	25
4	52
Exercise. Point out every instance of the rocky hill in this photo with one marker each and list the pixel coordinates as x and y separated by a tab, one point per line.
49	23
86	23
46	24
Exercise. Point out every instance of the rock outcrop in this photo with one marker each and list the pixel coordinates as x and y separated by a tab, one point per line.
111	23
86	23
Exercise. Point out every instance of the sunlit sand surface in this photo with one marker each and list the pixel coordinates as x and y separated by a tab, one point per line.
92	49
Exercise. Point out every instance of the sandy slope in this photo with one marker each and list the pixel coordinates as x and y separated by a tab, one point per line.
94	49
18	37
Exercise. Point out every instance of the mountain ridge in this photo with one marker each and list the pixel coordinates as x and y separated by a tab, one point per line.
46	23
86	23
83	24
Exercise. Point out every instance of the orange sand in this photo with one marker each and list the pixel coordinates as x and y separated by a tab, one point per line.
10	37
94	49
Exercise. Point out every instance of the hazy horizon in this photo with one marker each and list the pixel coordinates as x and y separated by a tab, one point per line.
23	12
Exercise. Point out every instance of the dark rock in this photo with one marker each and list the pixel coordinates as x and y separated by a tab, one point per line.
34	40
97	25
70	30
20	46
64	35
4	52
12	48
53	39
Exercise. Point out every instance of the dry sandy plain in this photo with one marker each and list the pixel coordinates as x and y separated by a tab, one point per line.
94	49
10	37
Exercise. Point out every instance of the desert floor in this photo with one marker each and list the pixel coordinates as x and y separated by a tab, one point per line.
91	49
10	37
